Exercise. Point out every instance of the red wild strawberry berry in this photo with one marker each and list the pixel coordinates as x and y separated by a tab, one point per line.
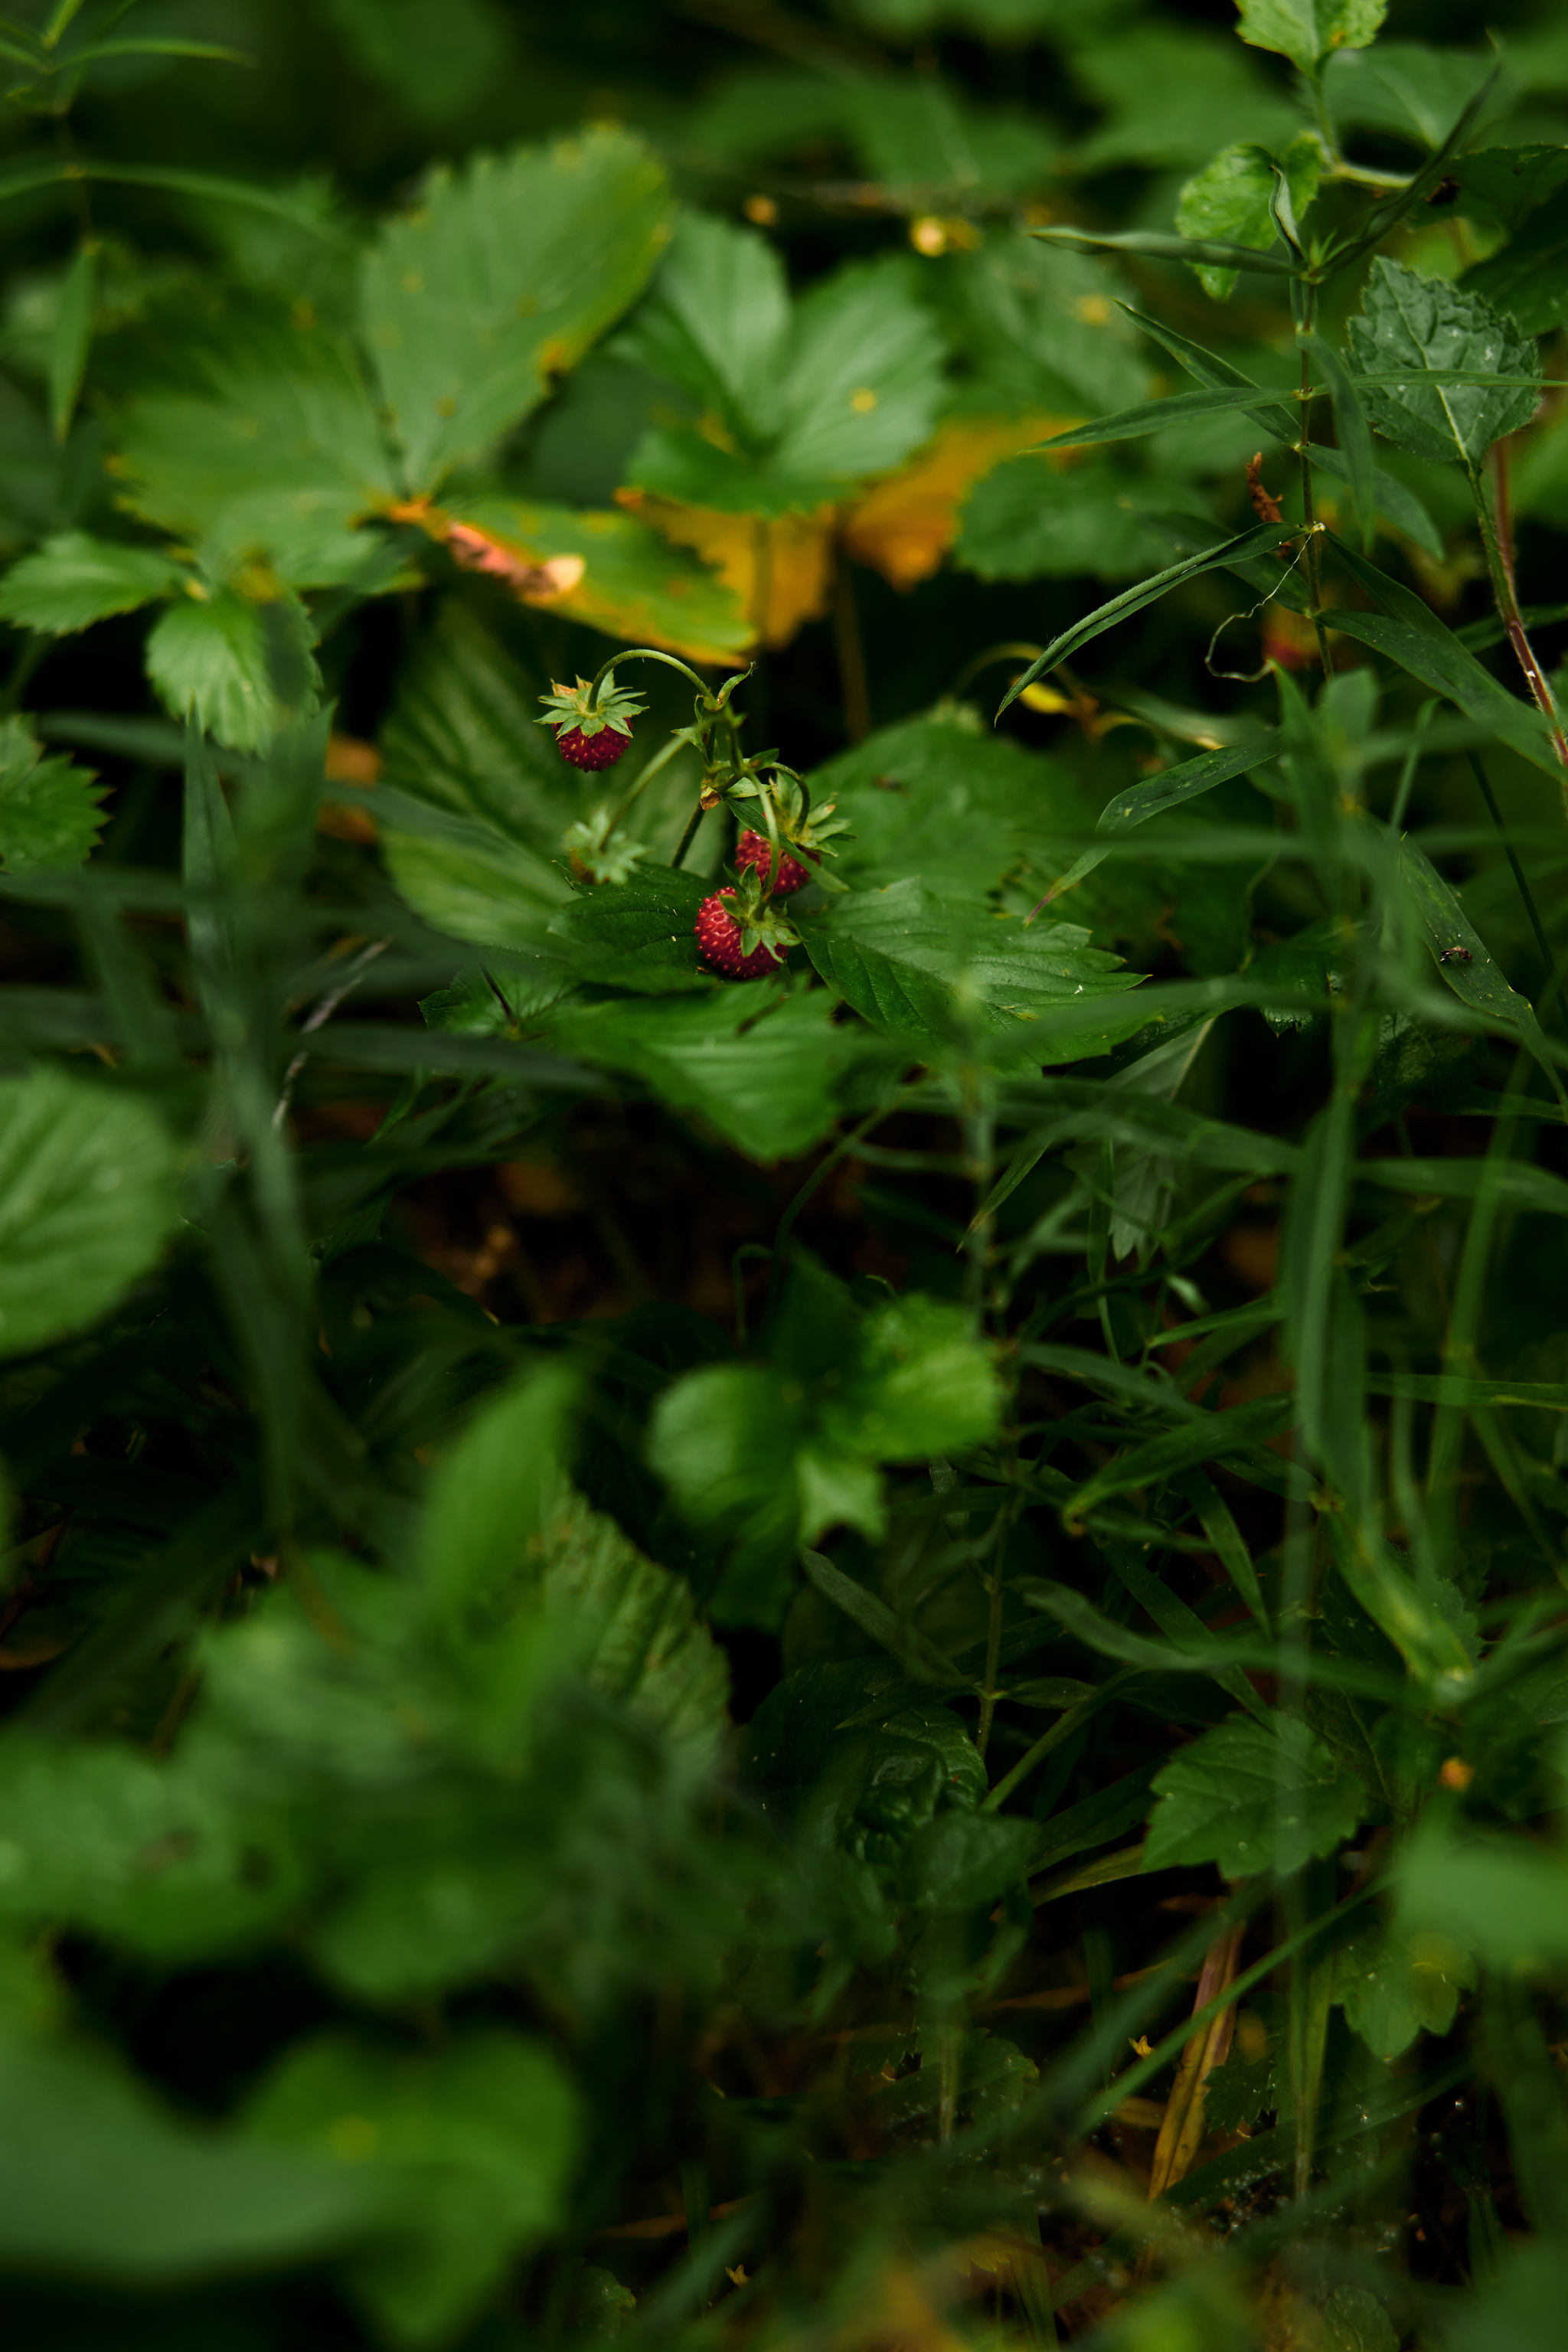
719	937
755	850
600	750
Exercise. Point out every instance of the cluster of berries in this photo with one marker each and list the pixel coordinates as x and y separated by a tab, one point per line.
721	938
593	733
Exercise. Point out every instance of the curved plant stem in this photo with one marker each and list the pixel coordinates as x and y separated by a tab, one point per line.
689	836
649	653
662	758
1497	538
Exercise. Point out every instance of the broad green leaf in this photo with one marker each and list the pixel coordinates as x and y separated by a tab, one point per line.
1175	92
1392	1988
218	662
473	802
87	1203
850	391
1529	278
74	580
774	1455
648	1650
1026	519
716	325
1407	87
1308	31
1398	504
1231	198
163	2199
919	1383
917	131
726	1440
1506	184
488	1497
1505	1901
864	382
1252	1800
471	2146
639	934
461	735
1421	324
1408	632
760	1067
500	278
78	1816
50	810
271	456
941	796
1042	327
1238	550
1111	1110
470	880
910	960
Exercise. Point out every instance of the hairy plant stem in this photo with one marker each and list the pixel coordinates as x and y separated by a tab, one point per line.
1497	538
1309	522
689	836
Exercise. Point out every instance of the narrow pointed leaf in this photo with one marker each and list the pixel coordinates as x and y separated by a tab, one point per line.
1164	244
1240	549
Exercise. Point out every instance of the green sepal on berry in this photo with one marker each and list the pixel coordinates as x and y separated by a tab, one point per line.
741	934
579	715
804	833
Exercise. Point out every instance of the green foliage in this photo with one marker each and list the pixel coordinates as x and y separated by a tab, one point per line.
1232	198
771	1456
50	814
470	2148
804	399
500	278
75	580
1410	326
660	1625
87	1203
1309	31
1245	1794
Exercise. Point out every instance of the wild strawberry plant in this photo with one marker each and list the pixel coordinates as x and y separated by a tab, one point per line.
783	1548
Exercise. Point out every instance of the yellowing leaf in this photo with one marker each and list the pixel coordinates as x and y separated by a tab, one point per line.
904	525
779	572
609	570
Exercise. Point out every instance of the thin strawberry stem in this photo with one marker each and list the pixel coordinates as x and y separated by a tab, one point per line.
677	742
649	653
689	836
